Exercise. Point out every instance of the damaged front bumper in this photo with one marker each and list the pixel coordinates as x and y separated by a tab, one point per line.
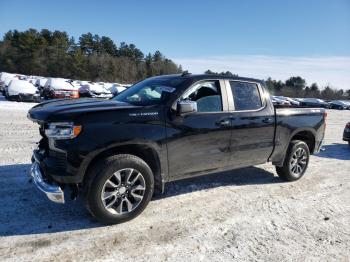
53	191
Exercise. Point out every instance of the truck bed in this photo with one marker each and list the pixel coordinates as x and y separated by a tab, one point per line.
290	121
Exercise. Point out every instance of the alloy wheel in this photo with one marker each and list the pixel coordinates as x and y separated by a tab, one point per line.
123	191
298	162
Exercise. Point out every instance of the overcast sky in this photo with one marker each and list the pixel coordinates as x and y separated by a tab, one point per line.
251	38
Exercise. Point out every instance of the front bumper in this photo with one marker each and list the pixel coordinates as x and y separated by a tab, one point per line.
52	191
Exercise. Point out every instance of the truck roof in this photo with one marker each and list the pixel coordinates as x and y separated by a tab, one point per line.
197	77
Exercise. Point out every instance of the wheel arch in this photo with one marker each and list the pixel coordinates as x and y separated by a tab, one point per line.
143	151
307	135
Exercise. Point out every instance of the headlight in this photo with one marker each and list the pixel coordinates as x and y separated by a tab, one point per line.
62	130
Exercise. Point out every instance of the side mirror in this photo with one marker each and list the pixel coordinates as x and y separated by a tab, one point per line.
186	106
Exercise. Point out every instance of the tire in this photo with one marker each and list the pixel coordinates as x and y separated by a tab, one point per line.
112	177
294	166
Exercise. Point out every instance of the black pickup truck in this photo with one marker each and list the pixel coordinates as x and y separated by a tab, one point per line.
117	152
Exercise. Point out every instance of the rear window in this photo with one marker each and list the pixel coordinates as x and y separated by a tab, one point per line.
246	96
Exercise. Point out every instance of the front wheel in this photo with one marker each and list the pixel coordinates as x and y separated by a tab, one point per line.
295	162
119	188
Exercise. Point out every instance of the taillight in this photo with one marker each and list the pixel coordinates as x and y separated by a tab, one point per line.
66	94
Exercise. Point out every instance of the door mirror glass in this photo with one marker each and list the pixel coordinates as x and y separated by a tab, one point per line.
186	106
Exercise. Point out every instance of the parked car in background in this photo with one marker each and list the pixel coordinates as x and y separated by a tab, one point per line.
40	84
115	88
22	90
91	89
346	134
313	102
60	88
6	83
337	104
347	103
3	76
277	100
292	101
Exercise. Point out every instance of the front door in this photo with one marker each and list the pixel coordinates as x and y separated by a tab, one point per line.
199	141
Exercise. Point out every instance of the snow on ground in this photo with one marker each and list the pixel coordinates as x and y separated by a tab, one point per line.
11	105
247	214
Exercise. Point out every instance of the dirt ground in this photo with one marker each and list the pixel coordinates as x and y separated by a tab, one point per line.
247	214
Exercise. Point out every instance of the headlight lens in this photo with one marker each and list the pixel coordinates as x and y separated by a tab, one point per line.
62	130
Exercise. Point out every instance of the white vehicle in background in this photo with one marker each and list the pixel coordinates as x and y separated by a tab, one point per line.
60	88
3	76
6	83
116	88
292	101
22	90
40	82
279	101
91	89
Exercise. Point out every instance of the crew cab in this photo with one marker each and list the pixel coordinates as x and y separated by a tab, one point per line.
117	152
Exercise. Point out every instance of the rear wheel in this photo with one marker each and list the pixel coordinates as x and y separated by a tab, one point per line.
295	162
119	188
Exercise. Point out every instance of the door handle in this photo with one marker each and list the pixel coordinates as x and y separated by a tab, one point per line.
224	122
267	120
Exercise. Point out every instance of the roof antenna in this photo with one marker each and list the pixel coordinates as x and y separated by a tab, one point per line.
184	73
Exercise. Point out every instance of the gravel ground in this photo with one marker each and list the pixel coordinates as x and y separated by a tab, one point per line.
247	214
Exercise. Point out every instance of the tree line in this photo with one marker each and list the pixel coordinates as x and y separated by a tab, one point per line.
99	58
296	86
92	57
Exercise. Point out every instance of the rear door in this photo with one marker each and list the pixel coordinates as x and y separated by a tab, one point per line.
252	122
199	141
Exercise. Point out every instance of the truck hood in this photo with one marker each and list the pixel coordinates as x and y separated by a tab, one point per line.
69	109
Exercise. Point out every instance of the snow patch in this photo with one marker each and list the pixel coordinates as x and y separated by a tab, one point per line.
18	106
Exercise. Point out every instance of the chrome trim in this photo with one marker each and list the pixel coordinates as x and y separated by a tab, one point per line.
52	191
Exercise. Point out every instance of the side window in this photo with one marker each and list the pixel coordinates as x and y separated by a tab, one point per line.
246	96
207	95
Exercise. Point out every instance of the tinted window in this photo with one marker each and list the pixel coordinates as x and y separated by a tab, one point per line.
245	96
207	95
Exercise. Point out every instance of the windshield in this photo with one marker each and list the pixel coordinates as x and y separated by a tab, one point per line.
150	91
